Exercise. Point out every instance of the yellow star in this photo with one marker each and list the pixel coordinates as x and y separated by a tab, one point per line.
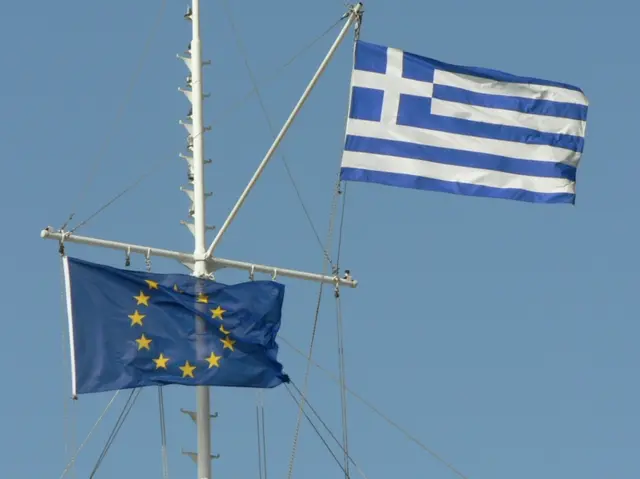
176	289
142	299
202	298
143	342
224	331
213	360
136	318
228	343
217	313
161	362
152	284
187	370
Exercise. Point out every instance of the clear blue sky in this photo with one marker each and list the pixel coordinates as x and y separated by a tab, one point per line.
503	335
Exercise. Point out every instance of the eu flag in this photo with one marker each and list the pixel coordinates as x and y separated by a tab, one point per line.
131	329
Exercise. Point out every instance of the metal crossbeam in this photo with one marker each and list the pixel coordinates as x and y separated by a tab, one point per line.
212	263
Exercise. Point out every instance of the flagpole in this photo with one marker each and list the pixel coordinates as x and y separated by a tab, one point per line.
203	419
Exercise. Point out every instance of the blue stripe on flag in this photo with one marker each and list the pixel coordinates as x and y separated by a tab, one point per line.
416	111
422	183
416	69
460	158
374	60
372	57
523	105
366	103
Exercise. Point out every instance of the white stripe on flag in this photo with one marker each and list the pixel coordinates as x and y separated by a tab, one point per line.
380	81
456	141
522	90
461	174
496	116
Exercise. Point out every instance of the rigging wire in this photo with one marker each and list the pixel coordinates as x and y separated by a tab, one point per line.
235	106
340	229
325	265
339	323
122	107
324	441
262	442
272	130
140	179
163	434
259	442
131	400
390	421
343	392
100	418
341	446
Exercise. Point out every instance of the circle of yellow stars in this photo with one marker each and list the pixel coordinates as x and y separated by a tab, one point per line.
137	319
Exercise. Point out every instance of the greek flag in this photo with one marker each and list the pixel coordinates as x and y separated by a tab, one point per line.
419	123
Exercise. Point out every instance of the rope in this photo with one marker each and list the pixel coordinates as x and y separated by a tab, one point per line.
339	322
140	179
328	430
163	434
73	459
131	400
343	385
235	106
334	205
272	130
379	413
342	214
299	403
96	162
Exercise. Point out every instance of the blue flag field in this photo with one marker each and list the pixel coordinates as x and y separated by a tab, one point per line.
131	329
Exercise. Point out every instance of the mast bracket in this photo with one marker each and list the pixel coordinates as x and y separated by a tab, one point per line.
194	456
192	414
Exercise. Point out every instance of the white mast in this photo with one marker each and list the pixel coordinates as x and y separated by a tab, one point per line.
202	262
203	420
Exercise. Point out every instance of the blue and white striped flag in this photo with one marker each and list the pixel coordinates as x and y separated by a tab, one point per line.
420	123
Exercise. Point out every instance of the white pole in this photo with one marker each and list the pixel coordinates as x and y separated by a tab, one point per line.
352	16
203	421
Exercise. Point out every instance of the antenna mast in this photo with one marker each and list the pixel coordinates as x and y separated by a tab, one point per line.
202	262
196	144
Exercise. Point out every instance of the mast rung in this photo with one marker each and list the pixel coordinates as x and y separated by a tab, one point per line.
187	61
187	126
191	227
192	414
189	192
187	93
194	456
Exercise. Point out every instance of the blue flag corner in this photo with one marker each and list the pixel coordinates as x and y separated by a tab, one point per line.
131	329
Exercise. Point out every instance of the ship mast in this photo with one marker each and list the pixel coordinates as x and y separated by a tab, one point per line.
202	262
196	140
